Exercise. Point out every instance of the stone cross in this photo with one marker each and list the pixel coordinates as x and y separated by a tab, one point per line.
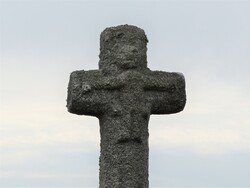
123	94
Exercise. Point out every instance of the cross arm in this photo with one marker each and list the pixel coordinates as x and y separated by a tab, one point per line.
165	92
88	92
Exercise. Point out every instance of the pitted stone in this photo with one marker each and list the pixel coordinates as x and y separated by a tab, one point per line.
123	94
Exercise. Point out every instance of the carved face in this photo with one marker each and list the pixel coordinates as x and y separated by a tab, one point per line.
123	47
129	56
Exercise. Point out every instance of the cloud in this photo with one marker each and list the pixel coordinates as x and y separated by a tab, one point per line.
37	128
204	141
47	146
215	121
171	167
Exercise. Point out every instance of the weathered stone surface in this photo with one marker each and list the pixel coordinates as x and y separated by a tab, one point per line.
122	94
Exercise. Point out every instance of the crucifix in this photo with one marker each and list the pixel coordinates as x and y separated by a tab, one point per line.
122	94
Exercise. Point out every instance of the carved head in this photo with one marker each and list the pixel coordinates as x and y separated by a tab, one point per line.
123	47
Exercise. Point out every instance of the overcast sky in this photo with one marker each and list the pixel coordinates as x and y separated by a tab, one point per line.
208	144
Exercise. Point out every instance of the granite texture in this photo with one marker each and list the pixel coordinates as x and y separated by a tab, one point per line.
123	94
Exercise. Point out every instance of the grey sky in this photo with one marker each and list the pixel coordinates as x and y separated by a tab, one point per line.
41	144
